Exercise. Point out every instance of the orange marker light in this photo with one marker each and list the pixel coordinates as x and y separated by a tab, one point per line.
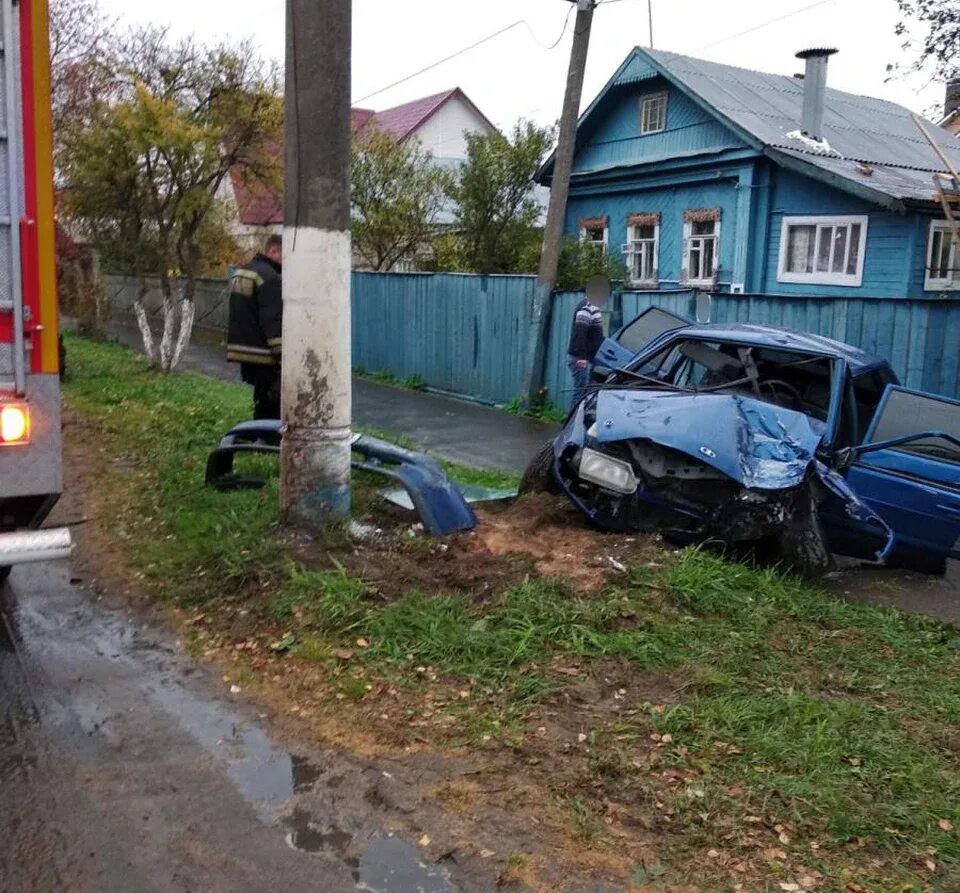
14	424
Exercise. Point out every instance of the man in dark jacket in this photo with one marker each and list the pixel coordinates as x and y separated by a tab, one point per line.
586	336
254	338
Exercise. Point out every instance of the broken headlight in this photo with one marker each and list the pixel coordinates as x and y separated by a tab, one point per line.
611	474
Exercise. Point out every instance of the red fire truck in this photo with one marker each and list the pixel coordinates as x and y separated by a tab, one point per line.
30	460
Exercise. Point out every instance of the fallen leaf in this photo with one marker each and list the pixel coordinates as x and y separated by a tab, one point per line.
425	840
667	739
931	865
945	825
486	854
362	643
790	888
342	654
713	854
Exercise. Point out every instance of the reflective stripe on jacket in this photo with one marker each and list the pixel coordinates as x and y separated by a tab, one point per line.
255	329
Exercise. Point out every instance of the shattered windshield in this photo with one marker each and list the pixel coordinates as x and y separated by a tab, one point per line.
790	379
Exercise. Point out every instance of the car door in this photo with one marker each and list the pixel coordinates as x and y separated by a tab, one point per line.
617	350
908	471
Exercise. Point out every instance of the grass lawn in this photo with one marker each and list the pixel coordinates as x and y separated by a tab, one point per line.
759	731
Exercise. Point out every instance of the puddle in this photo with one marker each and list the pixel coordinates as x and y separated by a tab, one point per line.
392	865
309	837
266	776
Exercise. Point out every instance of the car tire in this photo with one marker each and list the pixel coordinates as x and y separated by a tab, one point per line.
4	573
538	476
803	544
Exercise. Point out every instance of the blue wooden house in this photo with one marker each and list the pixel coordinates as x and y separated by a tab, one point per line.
708	176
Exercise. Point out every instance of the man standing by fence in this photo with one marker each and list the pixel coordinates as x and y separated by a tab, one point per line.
254	338
586	336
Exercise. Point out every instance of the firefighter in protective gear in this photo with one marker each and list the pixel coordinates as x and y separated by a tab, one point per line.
254	338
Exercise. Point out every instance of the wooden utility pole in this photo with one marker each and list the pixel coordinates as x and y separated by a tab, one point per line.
557	209
315	451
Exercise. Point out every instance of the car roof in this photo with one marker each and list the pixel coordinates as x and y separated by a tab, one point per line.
773	336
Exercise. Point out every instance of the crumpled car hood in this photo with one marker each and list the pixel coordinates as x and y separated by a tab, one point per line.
759	445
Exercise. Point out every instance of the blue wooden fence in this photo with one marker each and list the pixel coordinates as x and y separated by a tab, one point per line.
467	334
460	333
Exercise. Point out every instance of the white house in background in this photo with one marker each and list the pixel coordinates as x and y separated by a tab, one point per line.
440	123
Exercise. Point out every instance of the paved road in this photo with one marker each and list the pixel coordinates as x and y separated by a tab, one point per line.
122	768
456	430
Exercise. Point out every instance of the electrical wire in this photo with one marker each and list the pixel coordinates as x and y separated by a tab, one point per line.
473	46
762	24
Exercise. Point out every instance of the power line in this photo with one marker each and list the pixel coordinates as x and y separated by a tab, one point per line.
764	24
473	46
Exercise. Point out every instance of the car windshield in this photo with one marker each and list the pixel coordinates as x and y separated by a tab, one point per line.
791	379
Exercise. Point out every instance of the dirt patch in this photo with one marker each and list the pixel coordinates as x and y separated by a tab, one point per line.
549	532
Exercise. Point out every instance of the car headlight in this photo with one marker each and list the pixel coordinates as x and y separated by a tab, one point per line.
612	474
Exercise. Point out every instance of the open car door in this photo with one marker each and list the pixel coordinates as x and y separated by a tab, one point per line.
908	471
617	350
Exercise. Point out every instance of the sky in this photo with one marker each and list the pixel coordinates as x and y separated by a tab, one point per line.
516	76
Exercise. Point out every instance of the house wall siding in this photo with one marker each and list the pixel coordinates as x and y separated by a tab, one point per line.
670	202
893	259
617	139
443	133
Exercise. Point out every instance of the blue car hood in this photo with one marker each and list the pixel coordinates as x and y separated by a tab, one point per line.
760	445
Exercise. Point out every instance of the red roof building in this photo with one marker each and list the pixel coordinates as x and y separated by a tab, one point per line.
438	121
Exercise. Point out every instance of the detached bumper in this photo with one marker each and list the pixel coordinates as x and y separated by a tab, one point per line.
23	546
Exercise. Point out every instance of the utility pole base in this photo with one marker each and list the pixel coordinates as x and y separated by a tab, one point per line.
315	483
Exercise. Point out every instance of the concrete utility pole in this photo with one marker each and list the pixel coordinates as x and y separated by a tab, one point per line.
315	452
557	209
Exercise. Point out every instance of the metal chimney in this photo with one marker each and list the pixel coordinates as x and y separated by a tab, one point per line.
951	100
814	90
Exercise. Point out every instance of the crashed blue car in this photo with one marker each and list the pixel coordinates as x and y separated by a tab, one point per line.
790	445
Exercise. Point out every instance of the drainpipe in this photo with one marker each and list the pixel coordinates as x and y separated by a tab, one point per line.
814	90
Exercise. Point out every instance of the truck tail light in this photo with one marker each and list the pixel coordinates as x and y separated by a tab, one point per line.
14	424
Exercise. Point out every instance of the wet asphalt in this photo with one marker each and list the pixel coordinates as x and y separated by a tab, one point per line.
123	767
453	429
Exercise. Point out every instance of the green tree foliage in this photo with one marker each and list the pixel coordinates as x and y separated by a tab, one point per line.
397	195
143	172
581	260
938	48
497	214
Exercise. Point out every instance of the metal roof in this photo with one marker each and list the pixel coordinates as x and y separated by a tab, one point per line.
859	130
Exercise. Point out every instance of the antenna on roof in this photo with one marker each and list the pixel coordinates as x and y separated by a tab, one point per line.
650	20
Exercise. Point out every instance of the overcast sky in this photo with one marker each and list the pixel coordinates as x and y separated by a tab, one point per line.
514	76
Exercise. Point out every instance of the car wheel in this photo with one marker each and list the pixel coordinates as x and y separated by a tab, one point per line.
538	477
803	545
4	573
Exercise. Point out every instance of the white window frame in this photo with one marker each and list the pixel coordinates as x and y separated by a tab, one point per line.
603	246
688	243
854	280
631	252
931	283
650	98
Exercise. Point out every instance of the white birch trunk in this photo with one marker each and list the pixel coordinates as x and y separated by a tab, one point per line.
143	323
166	340
187	312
